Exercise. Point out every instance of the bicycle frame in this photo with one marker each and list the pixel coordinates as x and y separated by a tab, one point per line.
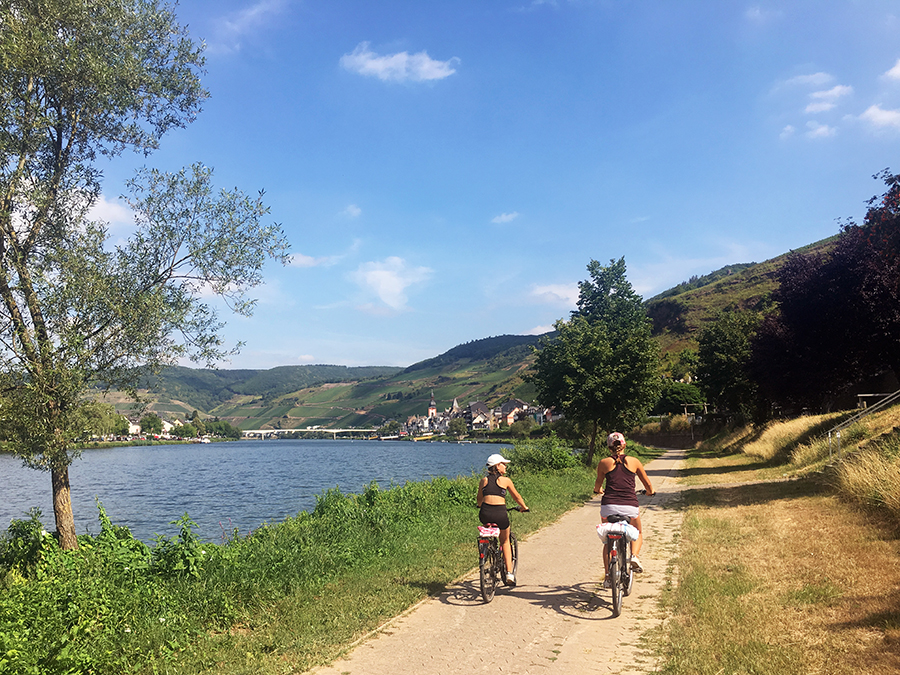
619	570
491	561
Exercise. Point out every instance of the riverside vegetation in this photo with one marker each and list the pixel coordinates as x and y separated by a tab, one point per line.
288	596
789	559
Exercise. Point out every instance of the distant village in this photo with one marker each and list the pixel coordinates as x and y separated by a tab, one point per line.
477	416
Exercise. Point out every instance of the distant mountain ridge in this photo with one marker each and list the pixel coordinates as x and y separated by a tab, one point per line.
489	369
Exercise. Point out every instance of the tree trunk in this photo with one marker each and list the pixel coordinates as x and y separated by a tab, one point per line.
62	508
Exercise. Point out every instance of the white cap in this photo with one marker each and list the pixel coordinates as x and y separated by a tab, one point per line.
495	459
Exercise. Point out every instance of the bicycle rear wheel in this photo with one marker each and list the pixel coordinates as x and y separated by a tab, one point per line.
613	574
629	574
486	571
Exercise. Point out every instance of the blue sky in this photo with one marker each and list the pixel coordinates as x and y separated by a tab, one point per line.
445	171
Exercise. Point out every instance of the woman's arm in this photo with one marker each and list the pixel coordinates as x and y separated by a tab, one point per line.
601	476
515	494
479	499
645	479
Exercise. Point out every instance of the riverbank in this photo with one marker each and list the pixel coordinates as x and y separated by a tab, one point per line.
290	595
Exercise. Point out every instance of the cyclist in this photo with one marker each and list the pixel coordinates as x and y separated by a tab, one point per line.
619	470
491	501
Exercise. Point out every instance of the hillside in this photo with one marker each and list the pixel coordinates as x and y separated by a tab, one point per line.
488	370
680	315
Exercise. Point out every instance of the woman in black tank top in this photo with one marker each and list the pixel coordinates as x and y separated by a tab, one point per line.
491	501
619	471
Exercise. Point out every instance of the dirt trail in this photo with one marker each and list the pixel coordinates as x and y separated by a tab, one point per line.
557	620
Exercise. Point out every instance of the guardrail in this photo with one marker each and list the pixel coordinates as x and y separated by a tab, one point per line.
835	431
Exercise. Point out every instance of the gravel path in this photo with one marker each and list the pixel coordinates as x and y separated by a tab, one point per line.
557	620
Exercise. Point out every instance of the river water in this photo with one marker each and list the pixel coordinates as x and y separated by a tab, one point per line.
223	486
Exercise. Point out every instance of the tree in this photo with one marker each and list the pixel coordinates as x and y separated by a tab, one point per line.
724	355
676	395
151	424
457	427
838	314
603	367
82	80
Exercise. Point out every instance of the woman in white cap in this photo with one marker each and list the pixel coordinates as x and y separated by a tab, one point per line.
491	501
620	499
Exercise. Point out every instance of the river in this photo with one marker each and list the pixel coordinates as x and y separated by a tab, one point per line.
223	486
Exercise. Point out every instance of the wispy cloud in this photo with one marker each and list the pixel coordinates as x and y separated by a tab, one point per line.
819	79
115	213
230	30
399	67
505	218
565	295
881	118
894	73
825	100
301	260
816	130
352	211
389	281
759	15
539	330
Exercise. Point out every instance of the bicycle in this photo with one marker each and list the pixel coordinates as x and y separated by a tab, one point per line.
618	571
491	561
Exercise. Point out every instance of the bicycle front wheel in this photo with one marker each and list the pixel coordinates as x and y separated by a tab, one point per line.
486	571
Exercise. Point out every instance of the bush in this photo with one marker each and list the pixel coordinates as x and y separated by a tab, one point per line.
542	454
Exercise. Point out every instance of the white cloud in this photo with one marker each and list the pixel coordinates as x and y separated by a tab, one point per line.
389	280
758	15
816	130
556	294
539	330
400	67
812	80
787	132
894	73
505	217
113	212
827	99
230	30
879	117
352	211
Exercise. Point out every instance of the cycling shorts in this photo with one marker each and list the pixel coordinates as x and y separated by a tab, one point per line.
494	513
607	510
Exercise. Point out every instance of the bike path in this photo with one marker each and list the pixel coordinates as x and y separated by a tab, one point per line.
558	619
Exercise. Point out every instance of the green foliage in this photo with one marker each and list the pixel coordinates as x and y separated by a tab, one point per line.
151	424
723	373
543	454
674	397
603	366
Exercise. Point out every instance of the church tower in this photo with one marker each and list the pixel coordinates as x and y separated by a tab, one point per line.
432	407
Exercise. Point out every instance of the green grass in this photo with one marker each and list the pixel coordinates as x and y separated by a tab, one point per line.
290	595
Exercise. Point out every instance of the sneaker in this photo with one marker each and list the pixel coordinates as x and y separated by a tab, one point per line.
510	579
607	583
636	564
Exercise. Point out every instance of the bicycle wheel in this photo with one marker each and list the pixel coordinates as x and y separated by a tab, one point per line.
629	575
514	549
486	572
613	574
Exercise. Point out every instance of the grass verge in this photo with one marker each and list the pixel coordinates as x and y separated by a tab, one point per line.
787	576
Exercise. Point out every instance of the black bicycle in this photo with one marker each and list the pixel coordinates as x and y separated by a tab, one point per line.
491	561
619	572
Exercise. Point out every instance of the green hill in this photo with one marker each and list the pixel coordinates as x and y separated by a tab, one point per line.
488	370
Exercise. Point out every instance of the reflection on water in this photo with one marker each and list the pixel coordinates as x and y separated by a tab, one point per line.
223	486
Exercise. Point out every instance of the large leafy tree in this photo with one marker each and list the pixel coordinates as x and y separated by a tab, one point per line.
724	355
602	369
82	80
838	313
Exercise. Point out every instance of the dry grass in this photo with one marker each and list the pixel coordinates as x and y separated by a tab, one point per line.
775	578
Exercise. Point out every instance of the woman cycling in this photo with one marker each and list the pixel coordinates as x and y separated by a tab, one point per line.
491	501
620	499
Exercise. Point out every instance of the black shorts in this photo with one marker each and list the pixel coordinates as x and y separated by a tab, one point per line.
494	513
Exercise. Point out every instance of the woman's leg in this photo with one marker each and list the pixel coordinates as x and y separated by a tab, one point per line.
636	546
507	549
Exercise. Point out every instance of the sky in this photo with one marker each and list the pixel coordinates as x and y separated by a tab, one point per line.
445	171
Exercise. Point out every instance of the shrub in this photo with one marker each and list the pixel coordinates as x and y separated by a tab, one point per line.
542	454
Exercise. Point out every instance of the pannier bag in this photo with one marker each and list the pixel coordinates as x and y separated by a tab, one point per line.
630	531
